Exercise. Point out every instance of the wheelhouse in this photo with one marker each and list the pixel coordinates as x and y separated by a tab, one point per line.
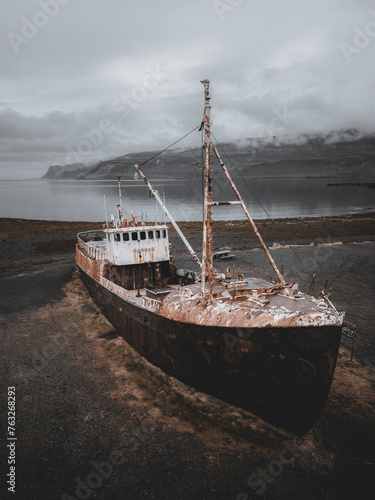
137	245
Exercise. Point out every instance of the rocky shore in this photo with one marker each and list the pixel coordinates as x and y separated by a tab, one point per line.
95	420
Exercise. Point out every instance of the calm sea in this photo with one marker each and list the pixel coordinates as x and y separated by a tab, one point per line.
279	197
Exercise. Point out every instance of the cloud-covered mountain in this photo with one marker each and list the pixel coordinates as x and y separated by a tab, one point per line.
338	154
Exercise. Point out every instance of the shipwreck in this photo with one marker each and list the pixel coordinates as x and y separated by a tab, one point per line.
263	346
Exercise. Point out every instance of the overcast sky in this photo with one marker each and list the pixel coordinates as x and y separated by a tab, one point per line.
84	80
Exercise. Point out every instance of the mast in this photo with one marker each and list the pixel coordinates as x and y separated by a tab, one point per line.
207	267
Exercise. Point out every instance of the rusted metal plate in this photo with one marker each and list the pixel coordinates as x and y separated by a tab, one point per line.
255	305
89	265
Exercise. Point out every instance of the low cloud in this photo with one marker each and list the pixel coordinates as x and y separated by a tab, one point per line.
80	89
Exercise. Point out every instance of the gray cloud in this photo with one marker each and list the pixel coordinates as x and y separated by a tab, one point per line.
86	75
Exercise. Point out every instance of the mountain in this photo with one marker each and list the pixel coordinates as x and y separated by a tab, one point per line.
338	154
72	171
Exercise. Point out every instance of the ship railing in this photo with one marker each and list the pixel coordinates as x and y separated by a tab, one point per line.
112	287
93	235
151	304
93	251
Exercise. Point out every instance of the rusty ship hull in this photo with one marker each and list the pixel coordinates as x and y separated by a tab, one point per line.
280	374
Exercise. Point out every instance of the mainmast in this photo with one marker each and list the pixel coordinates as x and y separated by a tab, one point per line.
207	267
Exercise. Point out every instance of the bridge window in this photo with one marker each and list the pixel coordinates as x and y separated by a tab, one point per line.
109	237
157	234
134	236
117	237
143	235
151	235
125	236
164	233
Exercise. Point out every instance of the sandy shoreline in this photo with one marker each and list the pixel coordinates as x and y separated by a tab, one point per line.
83	393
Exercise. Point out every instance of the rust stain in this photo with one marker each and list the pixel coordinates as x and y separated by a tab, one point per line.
252	306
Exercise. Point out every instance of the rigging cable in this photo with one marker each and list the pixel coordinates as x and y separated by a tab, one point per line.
188	184
175	142
263	208
197	165
160	152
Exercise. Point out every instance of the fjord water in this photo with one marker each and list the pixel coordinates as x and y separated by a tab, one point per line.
279	197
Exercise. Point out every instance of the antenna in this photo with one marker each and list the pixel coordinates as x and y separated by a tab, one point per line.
163	214
119	206
105	210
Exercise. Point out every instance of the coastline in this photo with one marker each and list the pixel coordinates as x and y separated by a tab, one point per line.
49	237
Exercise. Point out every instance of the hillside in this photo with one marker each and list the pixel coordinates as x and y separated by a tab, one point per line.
72	171
335	155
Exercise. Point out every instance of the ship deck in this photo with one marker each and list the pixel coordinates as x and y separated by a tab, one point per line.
136	296
99	244
251	304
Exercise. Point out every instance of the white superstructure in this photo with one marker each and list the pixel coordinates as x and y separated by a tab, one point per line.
137	245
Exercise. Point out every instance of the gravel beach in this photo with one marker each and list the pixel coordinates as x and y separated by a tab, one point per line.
95	420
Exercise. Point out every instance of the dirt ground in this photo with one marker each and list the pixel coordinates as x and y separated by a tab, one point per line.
95	420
